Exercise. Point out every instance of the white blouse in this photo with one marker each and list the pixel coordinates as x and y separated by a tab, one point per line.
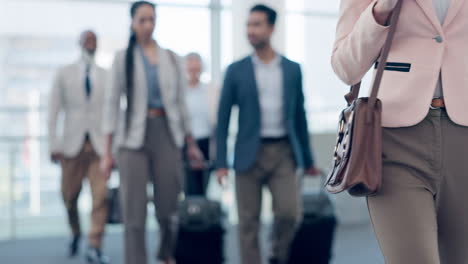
441	7
198	106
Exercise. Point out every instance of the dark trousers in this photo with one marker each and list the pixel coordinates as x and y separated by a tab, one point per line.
196	181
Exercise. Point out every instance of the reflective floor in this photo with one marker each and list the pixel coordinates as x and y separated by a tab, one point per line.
42	238
353	245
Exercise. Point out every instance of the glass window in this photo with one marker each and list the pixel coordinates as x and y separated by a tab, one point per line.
173	34
330	6
184	2
309	41
226	39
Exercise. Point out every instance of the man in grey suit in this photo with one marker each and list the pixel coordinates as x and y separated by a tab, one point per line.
78	96
272	140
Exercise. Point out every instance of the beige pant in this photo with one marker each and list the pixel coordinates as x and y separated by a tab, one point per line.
74	171
275	168
159	162
421	214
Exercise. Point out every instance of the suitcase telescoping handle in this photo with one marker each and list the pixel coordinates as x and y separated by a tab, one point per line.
321	186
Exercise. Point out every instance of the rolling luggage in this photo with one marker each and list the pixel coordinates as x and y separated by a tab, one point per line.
314	238
201	232
114	215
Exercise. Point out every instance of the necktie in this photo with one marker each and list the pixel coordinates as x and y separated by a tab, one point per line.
88	82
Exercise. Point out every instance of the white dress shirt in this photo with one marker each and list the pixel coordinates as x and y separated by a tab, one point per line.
199	111
441	7
269	78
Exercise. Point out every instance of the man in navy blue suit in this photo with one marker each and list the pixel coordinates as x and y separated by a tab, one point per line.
272	140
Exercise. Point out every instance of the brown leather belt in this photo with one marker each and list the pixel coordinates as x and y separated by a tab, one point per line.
437	103
158	112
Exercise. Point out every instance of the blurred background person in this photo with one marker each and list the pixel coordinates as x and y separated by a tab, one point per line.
148	134
78	94
273	139
198	103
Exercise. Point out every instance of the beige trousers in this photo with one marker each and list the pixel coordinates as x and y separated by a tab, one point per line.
74	171
158	162
275	168
421	214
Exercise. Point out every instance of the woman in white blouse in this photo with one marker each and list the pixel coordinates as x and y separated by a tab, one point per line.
198	104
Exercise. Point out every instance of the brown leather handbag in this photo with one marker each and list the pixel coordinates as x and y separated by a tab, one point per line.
357	161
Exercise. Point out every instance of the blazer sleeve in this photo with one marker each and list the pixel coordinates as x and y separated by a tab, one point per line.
302	127
226	102
359	40
113	92
54	110
181	102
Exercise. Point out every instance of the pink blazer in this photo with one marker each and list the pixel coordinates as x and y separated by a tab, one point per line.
422	48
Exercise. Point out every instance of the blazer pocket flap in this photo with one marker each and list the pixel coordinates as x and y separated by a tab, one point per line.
396	66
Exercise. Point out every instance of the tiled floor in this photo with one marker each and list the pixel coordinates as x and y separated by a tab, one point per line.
353	245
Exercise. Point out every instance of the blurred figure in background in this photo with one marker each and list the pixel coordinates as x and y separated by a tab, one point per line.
78	94
199	108
272	141
147	122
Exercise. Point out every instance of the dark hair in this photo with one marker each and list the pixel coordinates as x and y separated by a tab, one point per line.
129	60
269	12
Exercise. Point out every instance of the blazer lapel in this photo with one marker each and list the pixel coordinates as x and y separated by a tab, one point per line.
93	78
428	7
165	64
286	89
250	76
455	6
140	87
80	89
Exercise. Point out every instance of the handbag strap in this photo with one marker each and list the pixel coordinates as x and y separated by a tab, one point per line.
354	92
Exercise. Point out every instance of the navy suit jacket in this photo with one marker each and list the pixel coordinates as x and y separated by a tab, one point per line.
240	89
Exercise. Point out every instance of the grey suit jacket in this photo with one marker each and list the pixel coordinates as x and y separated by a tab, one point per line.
240	89
172	84
81	115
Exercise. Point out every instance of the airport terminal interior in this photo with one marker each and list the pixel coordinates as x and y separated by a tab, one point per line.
39	36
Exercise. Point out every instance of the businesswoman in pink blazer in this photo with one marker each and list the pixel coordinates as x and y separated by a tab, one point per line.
420	215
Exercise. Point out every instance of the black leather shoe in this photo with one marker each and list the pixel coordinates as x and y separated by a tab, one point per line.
94	256
75	246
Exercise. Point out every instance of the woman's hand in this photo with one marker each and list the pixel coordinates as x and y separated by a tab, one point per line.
195	156
383	9
107	161
221	175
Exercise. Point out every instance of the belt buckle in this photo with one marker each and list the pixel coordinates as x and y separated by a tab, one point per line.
435	107
153	113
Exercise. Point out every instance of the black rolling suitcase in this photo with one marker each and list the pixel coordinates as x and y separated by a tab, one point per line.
314	239
201	232
114	215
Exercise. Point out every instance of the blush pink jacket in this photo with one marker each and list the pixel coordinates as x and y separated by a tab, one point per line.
422	48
